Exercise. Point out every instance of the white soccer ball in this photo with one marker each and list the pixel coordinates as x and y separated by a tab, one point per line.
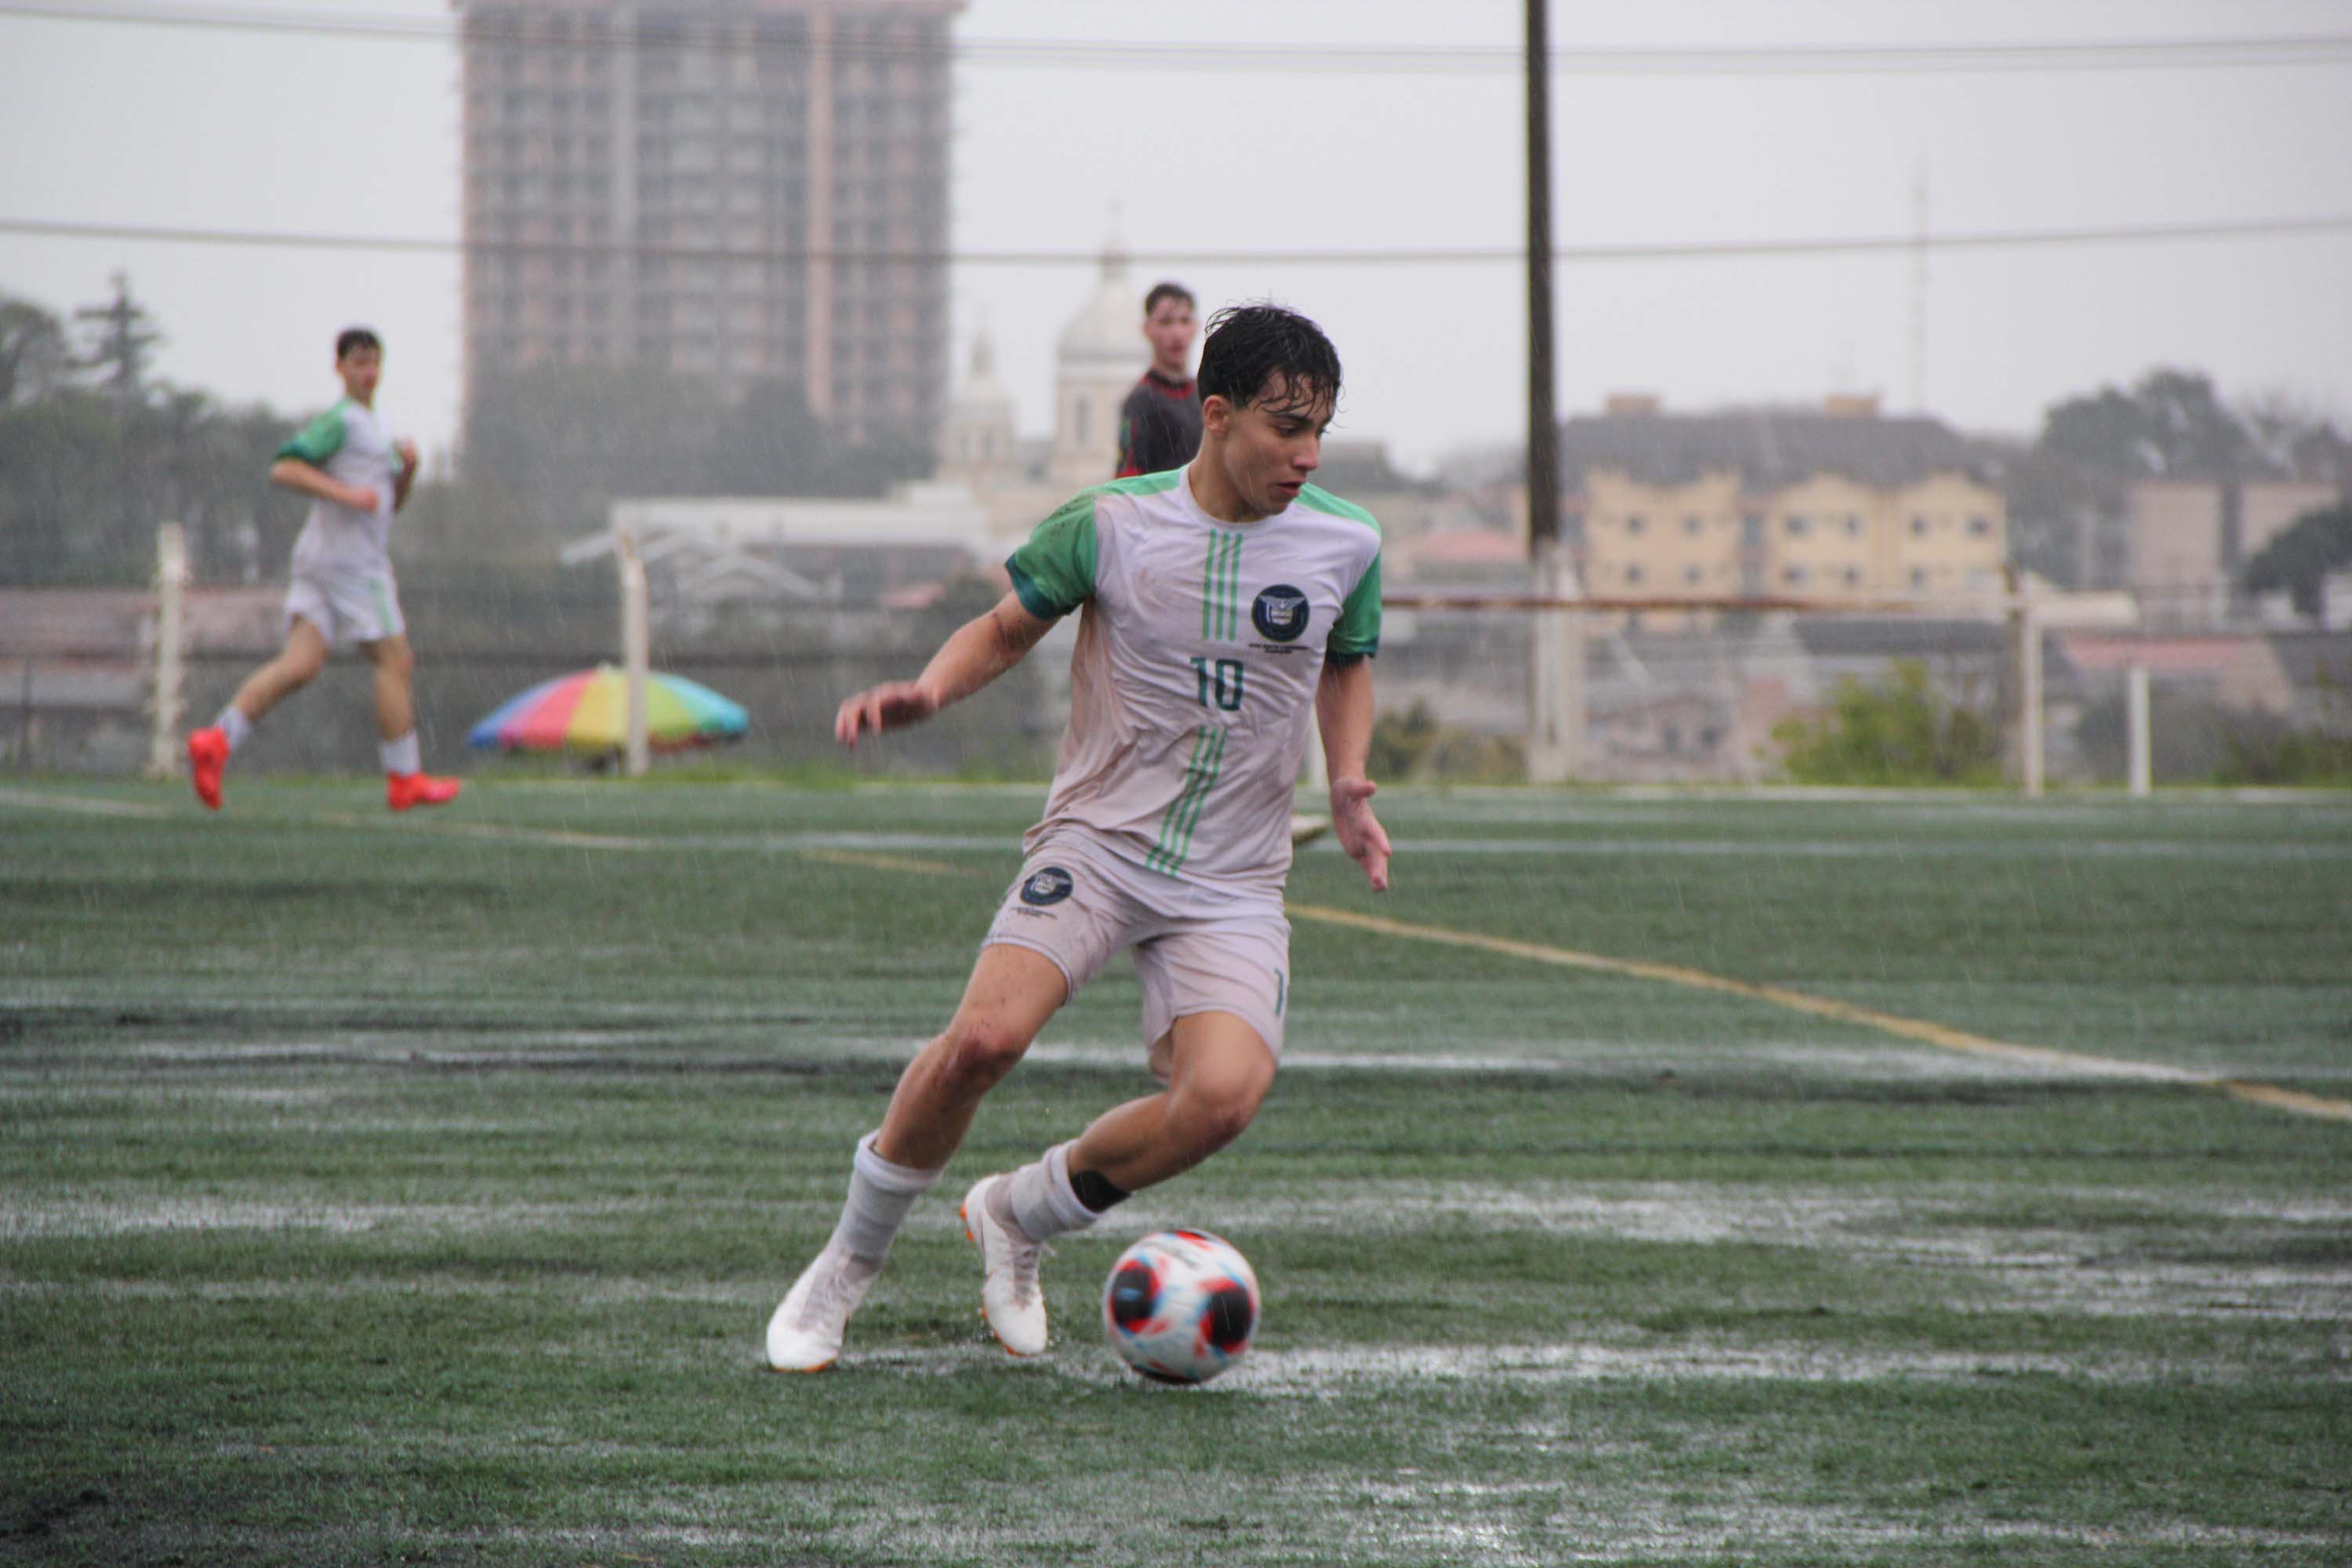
1180	1306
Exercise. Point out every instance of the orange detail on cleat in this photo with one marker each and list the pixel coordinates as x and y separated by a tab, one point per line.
402	791
207	759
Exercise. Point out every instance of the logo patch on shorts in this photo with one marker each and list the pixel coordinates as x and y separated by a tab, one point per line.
1281	613
1046	885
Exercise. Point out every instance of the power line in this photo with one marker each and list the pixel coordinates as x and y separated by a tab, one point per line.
1433	60
1670	251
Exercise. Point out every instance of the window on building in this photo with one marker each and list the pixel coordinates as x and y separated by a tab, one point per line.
1918	577
1752	529
1633	522
1854	577
1634	573
1693	526
1795	525
1919	528
1854	527
1979	526
1792	574
1694	573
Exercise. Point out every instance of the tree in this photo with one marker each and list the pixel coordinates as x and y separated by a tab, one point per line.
122	343
2297	438
1905	732
34	356
2171	425
2300	557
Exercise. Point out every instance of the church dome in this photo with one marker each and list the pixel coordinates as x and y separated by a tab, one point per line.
1107	332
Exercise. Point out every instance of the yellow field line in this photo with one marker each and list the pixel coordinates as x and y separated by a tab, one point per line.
1938	1035
562	838
869	860
2292	1101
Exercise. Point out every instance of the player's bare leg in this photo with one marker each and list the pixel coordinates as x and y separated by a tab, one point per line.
1012	992
1219	1073
1220	1070
297	665
406	783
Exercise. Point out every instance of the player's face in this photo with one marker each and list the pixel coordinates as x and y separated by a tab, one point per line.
360	370
1170	329
1274	445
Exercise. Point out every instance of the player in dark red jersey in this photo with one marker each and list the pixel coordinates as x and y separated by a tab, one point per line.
1160	423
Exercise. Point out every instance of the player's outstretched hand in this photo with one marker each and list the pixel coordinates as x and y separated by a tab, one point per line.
1361	833
361	498
889	706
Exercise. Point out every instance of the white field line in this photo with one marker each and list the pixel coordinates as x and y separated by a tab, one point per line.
2072	1063
1596	846
83	805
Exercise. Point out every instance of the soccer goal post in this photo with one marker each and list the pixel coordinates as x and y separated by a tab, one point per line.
636	654
167	697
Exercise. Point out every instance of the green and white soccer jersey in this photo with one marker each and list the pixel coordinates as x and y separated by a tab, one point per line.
351	445
1192	685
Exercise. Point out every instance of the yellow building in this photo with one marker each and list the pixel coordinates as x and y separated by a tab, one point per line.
1837	504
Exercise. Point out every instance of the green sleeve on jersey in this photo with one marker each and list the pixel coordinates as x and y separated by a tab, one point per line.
1357	635
1054	573
319	439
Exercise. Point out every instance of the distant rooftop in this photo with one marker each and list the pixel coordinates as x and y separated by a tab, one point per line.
1767	448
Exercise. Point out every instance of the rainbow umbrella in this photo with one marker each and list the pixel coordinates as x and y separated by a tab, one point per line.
589	711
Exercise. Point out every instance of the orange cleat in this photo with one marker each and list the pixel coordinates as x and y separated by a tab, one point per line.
402	791
207	760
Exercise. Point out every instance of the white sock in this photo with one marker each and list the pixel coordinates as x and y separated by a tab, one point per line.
233	724
1041	1199
401	756
880	1194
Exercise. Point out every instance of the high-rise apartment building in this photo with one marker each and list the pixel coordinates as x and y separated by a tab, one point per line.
717	188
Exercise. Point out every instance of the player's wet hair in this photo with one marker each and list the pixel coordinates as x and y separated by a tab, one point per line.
352	339
1247	346
1168	291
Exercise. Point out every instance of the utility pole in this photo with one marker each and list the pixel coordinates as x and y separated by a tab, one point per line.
1919	289
1555	642
1543	424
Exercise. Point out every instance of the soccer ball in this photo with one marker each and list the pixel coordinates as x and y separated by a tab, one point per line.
1181	1305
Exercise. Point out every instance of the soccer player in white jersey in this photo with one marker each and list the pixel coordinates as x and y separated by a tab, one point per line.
356	475
1224	606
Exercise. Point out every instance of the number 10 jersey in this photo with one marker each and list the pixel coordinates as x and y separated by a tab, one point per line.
1192	685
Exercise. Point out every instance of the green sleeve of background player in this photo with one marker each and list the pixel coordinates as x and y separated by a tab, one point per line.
1054	573
1357	635
319	439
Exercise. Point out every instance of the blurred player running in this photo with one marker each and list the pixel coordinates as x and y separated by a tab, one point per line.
1225	605
1160	423
356	475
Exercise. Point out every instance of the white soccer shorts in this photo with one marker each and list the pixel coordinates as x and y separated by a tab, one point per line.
347	607
1195	952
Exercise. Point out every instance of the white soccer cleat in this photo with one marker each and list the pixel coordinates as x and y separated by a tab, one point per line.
806	1332
1009	1297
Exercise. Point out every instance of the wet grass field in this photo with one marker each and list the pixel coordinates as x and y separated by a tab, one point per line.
415	1190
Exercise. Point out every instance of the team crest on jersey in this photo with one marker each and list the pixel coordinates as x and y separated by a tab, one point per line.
1046	885
1280	612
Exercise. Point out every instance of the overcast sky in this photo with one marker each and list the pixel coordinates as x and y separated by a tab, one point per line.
112	123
